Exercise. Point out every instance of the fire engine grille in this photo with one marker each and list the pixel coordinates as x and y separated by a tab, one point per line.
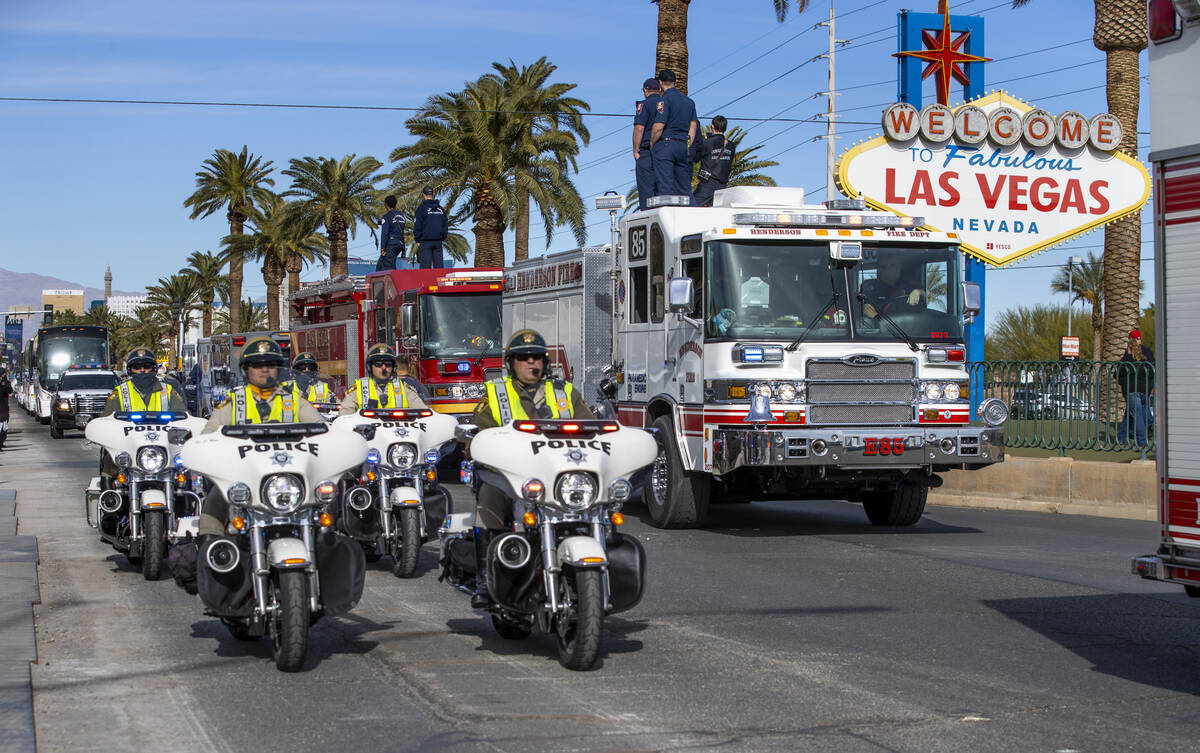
881	370
858	392
838	390
89	404
860	414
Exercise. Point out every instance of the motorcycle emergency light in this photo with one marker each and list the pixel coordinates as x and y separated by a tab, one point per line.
122	460
325	520
619	490
533	490
239	493
178	460
618	519
432	456
372	456
326	491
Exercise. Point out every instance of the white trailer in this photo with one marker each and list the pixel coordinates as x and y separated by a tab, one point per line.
738	333
1175	154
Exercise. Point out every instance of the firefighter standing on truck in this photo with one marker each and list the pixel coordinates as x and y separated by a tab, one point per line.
527	392
262	400
380	390
715	155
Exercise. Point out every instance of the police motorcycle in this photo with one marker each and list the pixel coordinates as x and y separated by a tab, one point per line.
564	566
281	565
395	503
154	501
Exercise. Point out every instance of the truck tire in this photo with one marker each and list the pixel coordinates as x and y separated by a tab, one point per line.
902	507
675	498
55	432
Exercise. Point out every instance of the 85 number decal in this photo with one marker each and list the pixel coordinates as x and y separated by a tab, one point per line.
883	445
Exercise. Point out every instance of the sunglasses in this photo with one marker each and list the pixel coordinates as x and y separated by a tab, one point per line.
306	368
527	357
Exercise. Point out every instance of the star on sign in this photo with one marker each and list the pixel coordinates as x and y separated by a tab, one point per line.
943	55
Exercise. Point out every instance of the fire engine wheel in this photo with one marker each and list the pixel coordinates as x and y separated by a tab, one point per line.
902	507
1193	591
675	498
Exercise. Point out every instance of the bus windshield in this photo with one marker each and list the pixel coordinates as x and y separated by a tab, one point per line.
462	325
780	291
60	352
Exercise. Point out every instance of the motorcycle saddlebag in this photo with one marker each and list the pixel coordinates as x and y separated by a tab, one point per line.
362	525
626	571
228	594
342	571
436	504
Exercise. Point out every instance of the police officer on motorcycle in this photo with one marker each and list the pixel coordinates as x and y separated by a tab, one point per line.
528	391
143	390
380	389
313	388
262	400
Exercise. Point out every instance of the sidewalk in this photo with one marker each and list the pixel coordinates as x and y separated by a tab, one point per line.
18	593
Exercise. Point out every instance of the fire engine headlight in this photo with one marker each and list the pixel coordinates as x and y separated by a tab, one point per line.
952	391
283	492
152	459
619	490
785	392
402	454
762	388
575	490
994	411
122	460
468	391
932	391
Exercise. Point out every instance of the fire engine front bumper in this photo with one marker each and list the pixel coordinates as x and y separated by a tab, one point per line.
1172	563
886	447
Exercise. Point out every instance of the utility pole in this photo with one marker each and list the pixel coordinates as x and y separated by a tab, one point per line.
831	112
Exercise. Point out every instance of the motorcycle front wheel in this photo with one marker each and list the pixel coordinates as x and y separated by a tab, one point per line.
406	548
154	544
289	626
581	629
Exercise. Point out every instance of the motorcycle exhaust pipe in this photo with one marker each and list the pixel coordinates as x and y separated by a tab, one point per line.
222	556
513	551
359	499
110	500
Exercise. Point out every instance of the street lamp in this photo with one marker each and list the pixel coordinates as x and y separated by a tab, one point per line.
1071	262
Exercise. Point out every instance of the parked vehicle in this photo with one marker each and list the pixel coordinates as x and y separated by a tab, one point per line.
81	395
1028	403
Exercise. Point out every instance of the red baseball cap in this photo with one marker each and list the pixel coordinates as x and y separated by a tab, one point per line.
1135	333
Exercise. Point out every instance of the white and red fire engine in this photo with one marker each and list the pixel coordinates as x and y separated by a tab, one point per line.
1175	153
444	322
774	349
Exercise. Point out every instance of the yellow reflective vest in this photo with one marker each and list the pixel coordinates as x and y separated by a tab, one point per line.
131	399
506	404
367	386
284	406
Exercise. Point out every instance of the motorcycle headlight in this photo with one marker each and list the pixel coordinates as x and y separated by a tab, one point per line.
151	459
402	454
283	492
576	491
952	391
932	391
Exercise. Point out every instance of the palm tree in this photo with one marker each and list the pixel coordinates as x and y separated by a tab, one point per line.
743	170
1030	333
236	183
465	146
174	300
206	267
1086	284
672	51
278	233
336	193
1120	33
539	108
253	319
147	329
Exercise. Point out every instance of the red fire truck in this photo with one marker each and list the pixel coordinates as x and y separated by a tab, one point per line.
445	323
1175	153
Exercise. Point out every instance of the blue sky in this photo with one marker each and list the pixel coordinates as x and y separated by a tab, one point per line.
90	185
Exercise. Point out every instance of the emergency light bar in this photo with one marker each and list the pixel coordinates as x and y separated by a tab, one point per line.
409	414
668	201
144	417
610	201
584	428
754	354
827	220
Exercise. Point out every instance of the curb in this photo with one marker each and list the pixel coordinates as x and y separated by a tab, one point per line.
18	643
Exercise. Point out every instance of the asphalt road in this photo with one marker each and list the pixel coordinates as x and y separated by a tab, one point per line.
780	627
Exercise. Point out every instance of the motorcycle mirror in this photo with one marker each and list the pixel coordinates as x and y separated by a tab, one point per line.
178	435
366	430
609	388
464	433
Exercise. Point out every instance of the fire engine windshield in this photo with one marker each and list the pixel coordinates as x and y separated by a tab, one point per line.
454	326
777	291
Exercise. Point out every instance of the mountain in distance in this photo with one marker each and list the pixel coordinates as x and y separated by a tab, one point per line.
24	289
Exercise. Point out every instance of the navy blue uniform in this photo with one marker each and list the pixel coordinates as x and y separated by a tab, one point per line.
644	167
715	155
391	239
429	230
672	168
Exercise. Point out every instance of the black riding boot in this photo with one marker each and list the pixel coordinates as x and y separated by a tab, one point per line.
481	599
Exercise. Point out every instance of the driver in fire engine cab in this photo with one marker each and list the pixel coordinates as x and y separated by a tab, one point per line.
527	392
892	289
380	390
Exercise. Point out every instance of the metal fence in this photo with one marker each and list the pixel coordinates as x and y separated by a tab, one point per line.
1105	406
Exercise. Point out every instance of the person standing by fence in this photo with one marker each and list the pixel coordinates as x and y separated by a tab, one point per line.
1136	380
